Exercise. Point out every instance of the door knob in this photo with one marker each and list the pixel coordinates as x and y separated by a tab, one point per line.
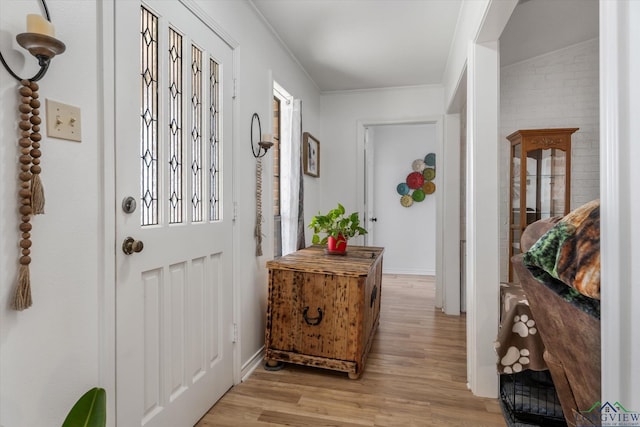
373	219
130	245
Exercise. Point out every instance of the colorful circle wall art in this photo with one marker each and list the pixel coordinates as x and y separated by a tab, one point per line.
415	180
430	160
418	195
406	200
418	165
429	187
402	188
419	183
429	174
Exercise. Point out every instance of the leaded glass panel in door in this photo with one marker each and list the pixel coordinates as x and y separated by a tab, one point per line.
165	140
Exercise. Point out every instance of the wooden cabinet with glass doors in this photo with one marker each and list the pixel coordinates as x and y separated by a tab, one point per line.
540	179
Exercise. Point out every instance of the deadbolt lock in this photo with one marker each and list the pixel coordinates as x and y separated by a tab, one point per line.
129	204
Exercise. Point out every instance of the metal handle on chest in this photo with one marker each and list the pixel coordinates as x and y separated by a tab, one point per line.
312	321
374	295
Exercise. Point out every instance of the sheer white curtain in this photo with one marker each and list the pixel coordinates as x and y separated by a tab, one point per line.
290	137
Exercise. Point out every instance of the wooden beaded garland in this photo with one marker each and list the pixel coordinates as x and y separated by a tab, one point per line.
26	208
31	192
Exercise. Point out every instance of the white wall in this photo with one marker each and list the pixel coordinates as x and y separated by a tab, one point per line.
53	352
407	234
49	354
344	115
558	89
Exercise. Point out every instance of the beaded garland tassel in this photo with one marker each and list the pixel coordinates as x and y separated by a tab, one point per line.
31	192
259	218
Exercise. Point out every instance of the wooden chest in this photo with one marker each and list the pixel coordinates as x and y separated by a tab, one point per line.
323	310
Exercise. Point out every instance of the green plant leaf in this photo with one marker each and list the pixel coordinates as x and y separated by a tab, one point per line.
335	223
89	411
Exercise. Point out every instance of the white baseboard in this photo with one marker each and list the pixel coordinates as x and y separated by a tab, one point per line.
419	272
250	366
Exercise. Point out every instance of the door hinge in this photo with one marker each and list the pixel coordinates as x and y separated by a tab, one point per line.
235	211
234	338
235	88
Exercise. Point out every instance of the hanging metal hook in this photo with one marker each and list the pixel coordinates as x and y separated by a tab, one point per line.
41	46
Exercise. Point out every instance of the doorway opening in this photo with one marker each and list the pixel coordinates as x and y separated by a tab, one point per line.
285	186
277	217
404	226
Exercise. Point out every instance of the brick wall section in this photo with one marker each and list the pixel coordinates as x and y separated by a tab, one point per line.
558	89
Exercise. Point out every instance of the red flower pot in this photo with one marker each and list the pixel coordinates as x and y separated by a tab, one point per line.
338	244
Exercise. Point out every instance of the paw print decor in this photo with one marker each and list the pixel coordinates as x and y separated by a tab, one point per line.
418	183
515	360
524	326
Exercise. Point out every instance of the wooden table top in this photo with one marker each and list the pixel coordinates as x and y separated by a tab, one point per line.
356	262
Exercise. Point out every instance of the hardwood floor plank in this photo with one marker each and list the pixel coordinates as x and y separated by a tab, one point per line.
280	418
415	375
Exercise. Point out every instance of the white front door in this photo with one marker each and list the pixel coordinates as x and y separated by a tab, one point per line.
174	319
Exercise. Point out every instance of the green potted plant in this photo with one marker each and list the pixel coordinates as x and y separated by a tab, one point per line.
89	411
338	227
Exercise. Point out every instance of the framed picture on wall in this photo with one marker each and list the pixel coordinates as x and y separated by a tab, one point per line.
310	155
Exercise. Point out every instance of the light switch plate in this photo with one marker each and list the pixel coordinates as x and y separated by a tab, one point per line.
63	121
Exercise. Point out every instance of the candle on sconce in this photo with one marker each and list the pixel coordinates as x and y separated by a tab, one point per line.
39	25
266	137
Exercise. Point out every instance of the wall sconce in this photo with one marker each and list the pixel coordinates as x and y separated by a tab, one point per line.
39	40
259	150
265	142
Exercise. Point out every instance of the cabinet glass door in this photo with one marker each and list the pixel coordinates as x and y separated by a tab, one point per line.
545	182
516	153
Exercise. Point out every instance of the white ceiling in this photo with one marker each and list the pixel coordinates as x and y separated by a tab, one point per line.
362	44
366	44
541	26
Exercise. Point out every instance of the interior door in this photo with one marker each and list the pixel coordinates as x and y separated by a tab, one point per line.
174	319
369	159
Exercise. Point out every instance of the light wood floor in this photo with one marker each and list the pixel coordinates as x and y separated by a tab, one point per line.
415	376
